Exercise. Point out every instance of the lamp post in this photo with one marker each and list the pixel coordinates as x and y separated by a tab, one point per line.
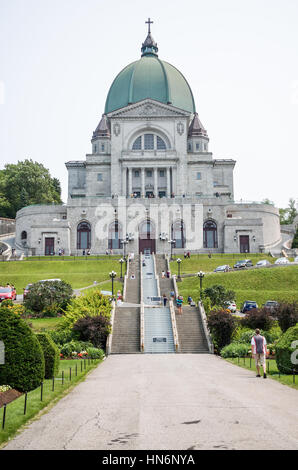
124	243
179	265
121	261
112	276
172	242
200	276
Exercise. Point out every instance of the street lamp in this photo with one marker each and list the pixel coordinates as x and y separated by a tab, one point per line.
172	242
179	264
124	242
121	261
200	276
112	276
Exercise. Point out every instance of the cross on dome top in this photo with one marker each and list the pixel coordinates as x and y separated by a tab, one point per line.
149	22
149	47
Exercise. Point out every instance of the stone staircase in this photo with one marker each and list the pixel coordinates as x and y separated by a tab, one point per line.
190	331
133	285
166	284
126	331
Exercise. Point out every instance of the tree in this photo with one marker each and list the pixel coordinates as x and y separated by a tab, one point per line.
26	183
221	325
95	329
288	215
218	295
45	294
287	315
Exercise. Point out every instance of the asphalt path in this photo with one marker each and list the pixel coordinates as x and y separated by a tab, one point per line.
168	401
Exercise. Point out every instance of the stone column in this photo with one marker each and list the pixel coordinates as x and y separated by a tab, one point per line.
168	182
155	190
129	181
174	180
143	182
124	175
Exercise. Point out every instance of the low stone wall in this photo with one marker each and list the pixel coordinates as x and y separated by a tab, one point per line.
7	226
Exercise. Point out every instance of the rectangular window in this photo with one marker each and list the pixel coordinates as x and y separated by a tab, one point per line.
149	173
137	174
162	173
197	146
148	141
99	176
102	147
95	148
199	175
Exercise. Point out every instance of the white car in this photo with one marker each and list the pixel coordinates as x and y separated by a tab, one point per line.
262	263
282	261
231	306
296	259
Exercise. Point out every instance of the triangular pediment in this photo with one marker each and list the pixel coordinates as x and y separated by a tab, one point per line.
148	108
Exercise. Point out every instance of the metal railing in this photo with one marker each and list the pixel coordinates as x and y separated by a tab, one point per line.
110	337
174	326
205	327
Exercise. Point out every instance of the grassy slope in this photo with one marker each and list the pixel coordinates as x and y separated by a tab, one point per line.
79	272
259	284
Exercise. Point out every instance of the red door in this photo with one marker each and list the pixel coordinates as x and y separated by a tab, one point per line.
147	237
49	246
244	243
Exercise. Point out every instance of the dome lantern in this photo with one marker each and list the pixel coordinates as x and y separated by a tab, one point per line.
149	46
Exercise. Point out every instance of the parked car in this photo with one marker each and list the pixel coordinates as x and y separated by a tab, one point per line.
26	290
248	305
245	263
271	305
231	306
8	293
262	263
296	259
223	269
49	280
282	261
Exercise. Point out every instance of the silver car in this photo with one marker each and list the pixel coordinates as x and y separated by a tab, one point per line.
262	263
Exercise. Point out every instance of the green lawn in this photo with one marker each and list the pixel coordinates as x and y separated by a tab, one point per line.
15	417
261	284
272	370
79	272
43	324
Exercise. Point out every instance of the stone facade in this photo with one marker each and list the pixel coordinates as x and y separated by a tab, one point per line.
150	182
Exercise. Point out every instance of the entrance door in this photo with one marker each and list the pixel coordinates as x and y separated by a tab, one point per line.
146	237
49	246
244	243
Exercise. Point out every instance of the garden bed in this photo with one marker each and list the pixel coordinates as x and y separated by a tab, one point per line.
8	396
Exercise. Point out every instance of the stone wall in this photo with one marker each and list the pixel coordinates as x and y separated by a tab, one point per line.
7	225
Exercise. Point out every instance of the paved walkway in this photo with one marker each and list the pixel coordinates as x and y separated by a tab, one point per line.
168	401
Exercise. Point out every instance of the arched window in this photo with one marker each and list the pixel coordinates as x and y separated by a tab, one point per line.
115	236
178	233
210	234
146	230
24	235
84	236
149	142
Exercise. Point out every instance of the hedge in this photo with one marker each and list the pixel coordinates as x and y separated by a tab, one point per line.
285	353
24	366
51	355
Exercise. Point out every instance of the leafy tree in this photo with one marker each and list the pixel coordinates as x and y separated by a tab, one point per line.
285	351
288	215
26	183
258	318
295	240
94	329
219	295
43	295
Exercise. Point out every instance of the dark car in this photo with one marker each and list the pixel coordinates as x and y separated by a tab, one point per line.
222	269
8	293
26	290
248	305
245	263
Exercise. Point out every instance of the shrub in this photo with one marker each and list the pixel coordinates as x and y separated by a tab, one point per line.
285	351
49	311
94	329
89	304
61	337
221	326
44	294
207	305
17	309
24	366
287	315
51	355
95	353
258	318
73	346
219	295
235	350
7	303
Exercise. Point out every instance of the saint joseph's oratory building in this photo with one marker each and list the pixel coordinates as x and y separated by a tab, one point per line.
150	181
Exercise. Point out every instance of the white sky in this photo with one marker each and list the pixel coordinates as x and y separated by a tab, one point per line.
58	59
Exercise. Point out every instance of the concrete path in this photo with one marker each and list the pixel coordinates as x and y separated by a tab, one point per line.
168	401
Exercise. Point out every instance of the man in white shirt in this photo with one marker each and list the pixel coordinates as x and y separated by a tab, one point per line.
259	351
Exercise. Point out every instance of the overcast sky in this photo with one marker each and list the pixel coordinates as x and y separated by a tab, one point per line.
58	59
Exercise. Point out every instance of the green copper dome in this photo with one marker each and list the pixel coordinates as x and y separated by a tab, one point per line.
152	78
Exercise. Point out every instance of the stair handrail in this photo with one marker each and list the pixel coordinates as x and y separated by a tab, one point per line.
125	279
142	311
110	336
155	275
175	286
174	327
205	327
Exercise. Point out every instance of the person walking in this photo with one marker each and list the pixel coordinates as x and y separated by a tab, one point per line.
179	303
259	351
164	300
